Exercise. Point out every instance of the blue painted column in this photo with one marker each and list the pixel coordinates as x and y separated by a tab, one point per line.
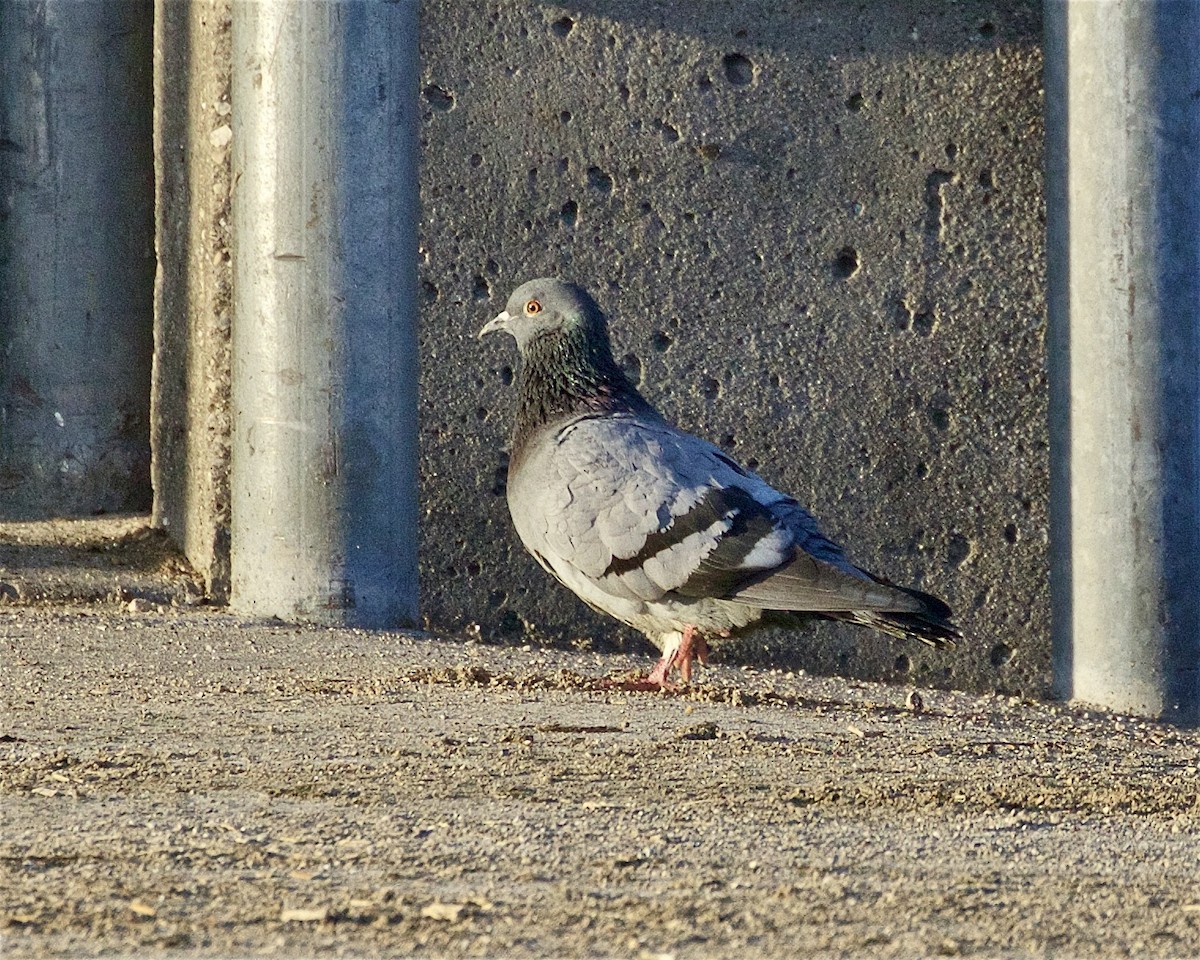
76	256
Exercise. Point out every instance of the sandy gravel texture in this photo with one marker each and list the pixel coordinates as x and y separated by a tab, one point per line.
187	783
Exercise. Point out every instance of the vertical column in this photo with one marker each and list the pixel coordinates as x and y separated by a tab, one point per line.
76	256
1123	207
323	486
190	411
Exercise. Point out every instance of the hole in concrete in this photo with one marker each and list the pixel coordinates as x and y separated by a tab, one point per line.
958	550
631	364
506	375
510	623
845	263
483	289
854	102
565	116
599	180
624	91
562	26
924	323
729	441
986	180
903	664
1010	533
921	471
438	97
709	151
1000	655
570	213
951	150
669	133
710	388
987	29
738	69
429	291
476	160
661	341
938	411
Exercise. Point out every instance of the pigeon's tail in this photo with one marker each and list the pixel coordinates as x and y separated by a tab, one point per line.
930	625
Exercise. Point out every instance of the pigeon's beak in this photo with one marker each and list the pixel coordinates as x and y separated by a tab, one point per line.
498	322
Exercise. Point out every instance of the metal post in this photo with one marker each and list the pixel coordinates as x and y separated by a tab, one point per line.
76	256
324	503
1123	207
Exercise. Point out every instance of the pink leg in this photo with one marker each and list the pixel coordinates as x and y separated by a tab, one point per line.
692	647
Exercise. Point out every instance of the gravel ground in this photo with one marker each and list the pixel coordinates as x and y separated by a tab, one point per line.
178	782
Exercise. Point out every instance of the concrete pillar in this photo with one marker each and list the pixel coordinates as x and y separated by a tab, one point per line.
325	307
190	426
1123	208
76	256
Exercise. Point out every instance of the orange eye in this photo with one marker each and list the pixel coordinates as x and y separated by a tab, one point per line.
533	307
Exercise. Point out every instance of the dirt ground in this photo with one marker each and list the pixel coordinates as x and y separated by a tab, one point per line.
175	781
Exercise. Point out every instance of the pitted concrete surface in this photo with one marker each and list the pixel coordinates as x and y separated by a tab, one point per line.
818	232
187	784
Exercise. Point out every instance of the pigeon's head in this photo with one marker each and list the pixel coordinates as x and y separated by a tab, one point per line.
547	306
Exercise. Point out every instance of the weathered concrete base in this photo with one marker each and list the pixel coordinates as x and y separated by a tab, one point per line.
192	293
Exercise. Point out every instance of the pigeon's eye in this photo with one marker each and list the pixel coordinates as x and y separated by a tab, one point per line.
533	307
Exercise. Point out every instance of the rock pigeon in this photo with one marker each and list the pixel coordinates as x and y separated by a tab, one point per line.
654	526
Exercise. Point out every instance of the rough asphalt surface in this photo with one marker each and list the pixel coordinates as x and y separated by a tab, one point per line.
184	783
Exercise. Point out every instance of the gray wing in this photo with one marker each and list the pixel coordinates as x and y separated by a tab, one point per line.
642	510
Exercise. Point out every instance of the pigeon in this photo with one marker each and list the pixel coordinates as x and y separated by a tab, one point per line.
656	527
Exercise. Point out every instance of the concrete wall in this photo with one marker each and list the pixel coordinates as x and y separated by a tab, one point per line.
817	227
191	421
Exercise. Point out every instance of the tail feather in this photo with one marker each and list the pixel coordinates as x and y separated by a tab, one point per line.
930	625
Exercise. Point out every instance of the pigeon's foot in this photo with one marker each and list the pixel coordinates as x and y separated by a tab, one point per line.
655	682
691	648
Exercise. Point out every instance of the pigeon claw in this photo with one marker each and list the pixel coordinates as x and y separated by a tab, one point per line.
692	648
